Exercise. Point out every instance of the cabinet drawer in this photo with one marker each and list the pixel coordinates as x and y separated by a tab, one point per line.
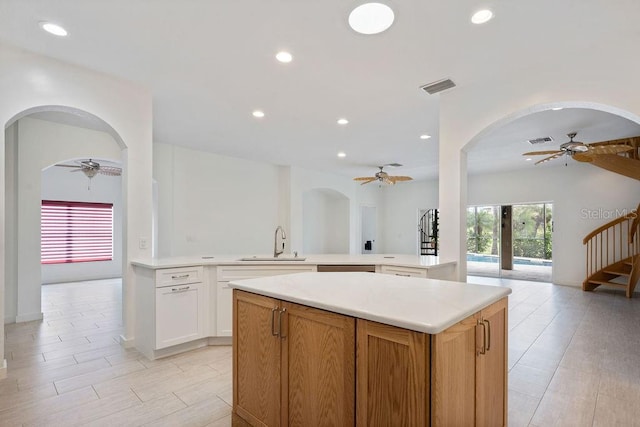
227	273
178	276
404	271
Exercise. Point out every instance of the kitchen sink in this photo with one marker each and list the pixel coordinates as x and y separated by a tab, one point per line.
270	258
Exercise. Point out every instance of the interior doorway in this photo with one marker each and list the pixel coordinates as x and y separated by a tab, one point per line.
369	225
511	241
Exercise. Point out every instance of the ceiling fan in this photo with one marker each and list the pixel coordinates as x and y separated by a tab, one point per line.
91	169
580	151
383	177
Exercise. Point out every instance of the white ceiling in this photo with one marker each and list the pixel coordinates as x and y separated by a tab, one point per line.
209	64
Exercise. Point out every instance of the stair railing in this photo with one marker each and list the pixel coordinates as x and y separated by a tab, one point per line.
612	243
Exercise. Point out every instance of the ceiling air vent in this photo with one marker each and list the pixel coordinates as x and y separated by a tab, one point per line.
438	86
540	140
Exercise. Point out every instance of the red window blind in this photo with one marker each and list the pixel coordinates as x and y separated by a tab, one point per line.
76	232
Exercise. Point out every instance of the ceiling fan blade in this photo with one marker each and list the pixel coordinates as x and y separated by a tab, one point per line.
609	149
388	181
68	166
555	156
583	157
371	179
364	178
400	178
542	153
619	164
110	170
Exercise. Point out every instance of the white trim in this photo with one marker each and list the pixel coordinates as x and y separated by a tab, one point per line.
127	342
29	317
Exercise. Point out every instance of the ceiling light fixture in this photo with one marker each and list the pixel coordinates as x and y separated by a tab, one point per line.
258	113
371	18
528	159
342	154
425	136
54	29
557	108
343	121
284	57
482	16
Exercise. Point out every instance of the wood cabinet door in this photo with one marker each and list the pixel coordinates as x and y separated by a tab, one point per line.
256	359
318	367
491	377
392	376
453	369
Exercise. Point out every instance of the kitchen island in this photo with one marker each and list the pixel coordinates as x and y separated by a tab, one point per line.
183	303
362	349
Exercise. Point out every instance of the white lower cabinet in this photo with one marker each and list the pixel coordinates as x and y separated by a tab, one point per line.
224	307
180	314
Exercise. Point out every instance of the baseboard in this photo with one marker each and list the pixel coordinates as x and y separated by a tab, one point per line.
127	342
220	341
28	317
3	369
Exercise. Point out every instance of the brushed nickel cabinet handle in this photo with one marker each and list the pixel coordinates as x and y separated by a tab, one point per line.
280	322
273	322
182	276
403	275
184	288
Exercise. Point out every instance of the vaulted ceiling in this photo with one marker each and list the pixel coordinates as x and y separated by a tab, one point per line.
209	64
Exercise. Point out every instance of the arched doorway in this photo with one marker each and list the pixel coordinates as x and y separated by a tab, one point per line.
35	139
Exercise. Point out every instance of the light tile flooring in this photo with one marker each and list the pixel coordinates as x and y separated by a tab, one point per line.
574	360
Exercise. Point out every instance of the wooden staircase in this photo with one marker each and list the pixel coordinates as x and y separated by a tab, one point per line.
613	254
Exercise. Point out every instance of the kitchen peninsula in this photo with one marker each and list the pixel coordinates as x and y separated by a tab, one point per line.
183	303
361	349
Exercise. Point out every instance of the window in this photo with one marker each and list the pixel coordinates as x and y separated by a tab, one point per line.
76	232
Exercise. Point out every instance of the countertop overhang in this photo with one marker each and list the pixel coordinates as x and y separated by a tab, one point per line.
400	260
423	305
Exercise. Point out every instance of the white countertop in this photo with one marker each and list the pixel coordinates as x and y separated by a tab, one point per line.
423	305
400	260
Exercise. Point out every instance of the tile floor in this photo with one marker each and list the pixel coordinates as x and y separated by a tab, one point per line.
574	360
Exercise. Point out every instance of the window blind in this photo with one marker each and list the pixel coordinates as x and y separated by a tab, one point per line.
76	232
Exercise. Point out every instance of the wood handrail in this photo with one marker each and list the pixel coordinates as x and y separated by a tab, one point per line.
635	224
633	214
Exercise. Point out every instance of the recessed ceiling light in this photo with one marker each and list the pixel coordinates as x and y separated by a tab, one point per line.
371	18
342	154
285	57
258	113
528	159
425	136
482	16
54	29
557	108
343	121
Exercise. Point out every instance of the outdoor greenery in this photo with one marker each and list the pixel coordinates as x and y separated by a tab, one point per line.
532	230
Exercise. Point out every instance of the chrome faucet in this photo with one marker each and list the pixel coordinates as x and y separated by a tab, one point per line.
276	252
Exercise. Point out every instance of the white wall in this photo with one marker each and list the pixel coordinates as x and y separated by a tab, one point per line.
11	225
401	204
325	222
211	204
573	190
29	83
59	184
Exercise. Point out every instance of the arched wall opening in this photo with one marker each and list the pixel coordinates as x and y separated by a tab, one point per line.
36	139
326	219
581	192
